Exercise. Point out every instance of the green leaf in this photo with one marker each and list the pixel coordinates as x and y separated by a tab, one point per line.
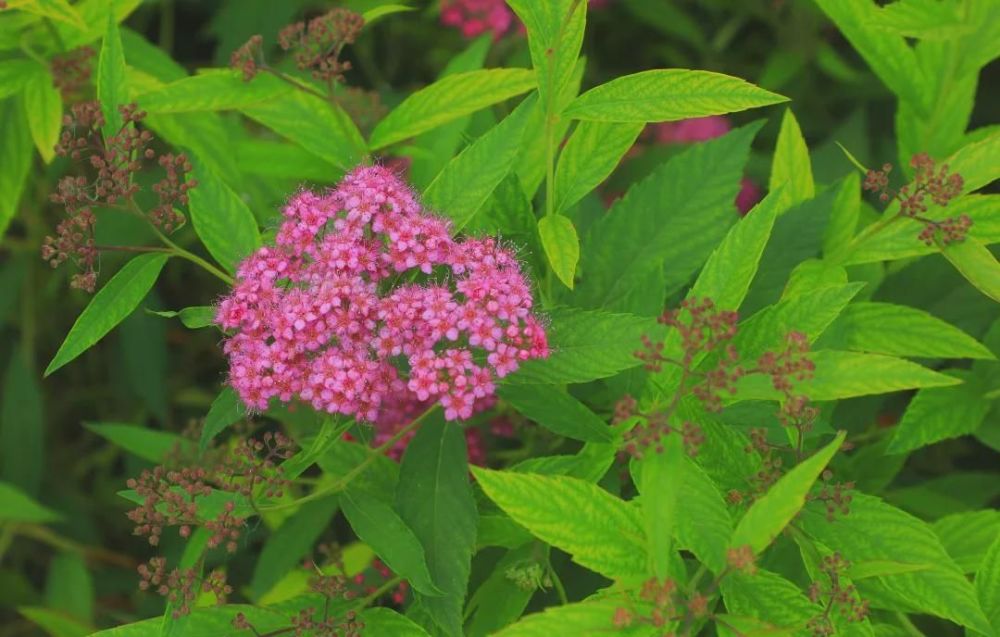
207	622
556	410
977	264
380	527
705	526
939	413
225	410
322	128
850	374
554	40
149	444
769	514
875	530
660	484
899	330
112	91
899	240
467	181
671	220
447	99
22	425
500	600
591	154
385	621
988	583
59	10
55	623
222	220
843	218
967	536
69	587
585	346
146	56
15	157
375	13
17	506
600	531
665	95
589	618
212	90
17	73
43	104
791	165
109	307
434	498
287	545
926	19
561	245
771	598
193	318
270	158
888	55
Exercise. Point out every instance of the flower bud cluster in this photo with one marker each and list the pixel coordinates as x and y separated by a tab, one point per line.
837	594
181	587
71	71
317	46
324	315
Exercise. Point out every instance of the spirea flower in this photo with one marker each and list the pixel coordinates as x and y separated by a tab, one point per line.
366	300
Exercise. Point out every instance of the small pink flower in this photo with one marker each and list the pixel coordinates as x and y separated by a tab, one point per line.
748	196
686	131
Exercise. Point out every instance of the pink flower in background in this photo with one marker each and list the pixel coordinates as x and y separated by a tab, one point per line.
475	17
700	129
330	314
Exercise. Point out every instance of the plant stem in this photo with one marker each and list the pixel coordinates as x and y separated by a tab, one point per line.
558	585
908	626
193	258
291	80
346	479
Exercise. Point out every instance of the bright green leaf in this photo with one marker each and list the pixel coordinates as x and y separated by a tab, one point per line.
705	524
109	307
554	40
771	598
660	484
561	245
193	318
556	410
665	95
214	90
112	91
150	444
225	410
589	618
16	506
222	220
769	514
447	99
385	621
791	165
967	536
977	264
988	583
938	413
591	154
15	157
43	104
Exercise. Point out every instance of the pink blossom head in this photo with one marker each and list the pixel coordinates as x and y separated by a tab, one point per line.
366	299
686	131
475	17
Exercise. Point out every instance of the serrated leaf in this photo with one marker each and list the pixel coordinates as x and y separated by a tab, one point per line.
465	184
322	128
112	91
967	536
939	413
769	514
22	425
769	597
977	264
554	40
561	245
791	166
671	220
926	19
705	526
15	157
988	583
43	104
224	411
899	330
600	531
660	488
589	618
149	444
434	498
17	506
874	530
843	218
556	410
850	374
222	220
380	527
447	99
385	621
585	346
591	154
59	10
206	622
213	90
665	95
109	307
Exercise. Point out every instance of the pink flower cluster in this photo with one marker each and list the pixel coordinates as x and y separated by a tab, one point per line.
332	315
475	17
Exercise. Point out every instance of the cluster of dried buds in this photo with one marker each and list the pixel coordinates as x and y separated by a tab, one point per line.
835	593
316	46
71	71
171	496
929	180
109	165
